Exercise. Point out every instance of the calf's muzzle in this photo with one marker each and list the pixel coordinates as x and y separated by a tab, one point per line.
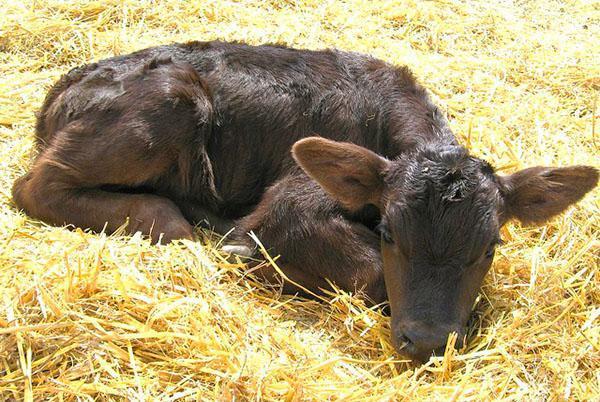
418	340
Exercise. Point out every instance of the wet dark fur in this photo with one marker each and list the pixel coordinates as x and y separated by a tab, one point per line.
177	135
209	126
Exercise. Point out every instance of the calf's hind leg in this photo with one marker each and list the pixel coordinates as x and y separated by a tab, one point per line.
145	129
59	193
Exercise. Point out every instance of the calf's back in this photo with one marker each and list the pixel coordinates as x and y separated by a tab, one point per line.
262	100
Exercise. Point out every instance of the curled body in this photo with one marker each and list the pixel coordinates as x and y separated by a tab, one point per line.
338	161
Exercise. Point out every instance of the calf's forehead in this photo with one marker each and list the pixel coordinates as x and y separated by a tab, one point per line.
442	214
434	221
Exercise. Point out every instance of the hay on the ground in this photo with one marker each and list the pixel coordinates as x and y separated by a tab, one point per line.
85	316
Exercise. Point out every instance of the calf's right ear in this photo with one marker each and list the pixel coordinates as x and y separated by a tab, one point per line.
351	174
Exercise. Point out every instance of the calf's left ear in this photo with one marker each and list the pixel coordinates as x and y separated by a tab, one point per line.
536	194
351	174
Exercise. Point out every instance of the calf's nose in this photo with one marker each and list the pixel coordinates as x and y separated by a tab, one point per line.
419	341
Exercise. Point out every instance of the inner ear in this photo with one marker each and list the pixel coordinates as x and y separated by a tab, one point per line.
537	194
349	173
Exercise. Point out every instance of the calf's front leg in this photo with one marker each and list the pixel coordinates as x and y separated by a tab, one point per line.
316	240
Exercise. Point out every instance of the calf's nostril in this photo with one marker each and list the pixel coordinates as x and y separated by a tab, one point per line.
402	344
403	340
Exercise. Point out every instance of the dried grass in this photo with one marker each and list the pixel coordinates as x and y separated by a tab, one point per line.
85	317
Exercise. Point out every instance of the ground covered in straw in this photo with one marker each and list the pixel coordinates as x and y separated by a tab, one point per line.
85	316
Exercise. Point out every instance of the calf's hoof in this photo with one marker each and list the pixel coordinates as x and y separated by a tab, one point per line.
175	231
237	249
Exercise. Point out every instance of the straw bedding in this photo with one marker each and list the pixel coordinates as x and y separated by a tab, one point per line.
86	316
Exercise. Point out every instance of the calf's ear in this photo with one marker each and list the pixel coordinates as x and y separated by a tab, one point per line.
536	194
349	173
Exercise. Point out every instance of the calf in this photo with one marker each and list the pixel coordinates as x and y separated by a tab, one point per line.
385	203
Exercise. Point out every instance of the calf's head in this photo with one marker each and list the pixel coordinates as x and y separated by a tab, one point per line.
441	212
